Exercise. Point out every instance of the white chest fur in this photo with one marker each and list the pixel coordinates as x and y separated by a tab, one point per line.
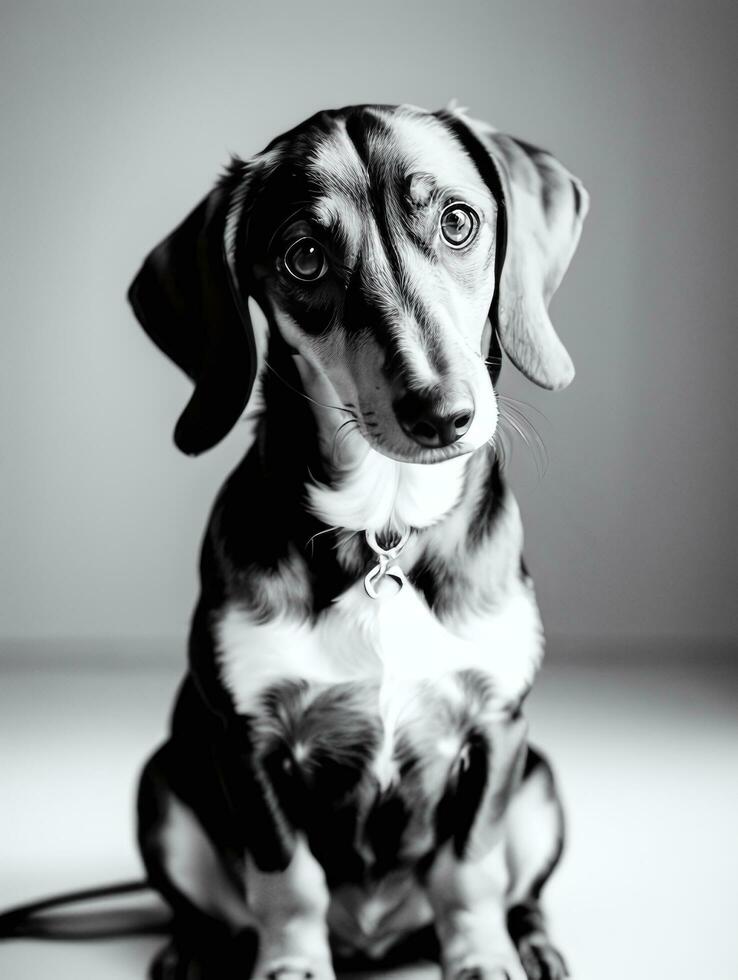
396	640
377	492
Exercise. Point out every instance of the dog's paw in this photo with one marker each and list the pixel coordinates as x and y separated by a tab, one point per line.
479	973
293	968
485	970
541	960
290	971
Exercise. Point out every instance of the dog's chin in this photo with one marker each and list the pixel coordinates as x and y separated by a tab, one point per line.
412	453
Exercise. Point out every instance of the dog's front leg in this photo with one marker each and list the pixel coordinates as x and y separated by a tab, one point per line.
468	882
284	885
290	909
468	899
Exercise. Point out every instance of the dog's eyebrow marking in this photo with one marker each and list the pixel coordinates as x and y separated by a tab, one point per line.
340	219
326	211
422	140
421	188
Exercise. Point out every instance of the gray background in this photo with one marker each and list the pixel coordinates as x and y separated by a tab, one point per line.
116	119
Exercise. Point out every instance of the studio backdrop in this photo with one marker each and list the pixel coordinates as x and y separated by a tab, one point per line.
116	119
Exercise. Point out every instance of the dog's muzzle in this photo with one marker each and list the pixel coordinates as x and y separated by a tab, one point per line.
436	417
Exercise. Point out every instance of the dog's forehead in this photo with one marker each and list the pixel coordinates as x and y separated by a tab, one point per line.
375	150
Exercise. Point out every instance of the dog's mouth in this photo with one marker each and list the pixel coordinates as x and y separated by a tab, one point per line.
408	453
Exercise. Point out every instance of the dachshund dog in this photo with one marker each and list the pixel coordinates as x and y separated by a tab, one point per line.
348	778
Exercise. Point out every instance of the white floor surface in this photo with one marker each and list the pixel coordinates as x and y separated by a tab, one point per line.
646	748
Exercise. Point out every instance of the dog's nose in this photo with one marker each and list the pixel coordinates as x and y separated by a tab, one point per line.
435	417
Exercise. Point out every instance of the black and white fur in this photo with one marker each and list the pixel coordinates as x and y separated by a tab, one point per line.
348	779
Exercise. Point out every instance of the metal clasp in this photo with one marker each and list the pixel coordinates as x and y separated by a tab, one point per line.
383	568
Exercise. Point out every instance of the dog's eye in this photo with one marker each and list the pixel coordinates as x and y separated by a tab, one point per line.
459	224
305	260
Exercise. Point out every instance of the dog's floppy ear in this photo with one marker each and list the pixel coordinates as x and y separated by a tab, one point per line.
544	209
187	299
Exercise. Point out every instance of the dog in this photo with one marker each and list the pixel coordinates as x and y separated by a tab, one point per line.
348	778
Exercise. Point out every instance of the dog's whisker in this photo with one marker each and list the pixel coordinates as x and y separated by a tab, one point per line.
538	448
344	536
337	408
520	405
335	448
511	412
310	543
533	442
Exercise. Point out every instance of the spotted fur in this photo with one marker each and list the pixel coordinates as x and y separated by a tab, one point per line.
351	764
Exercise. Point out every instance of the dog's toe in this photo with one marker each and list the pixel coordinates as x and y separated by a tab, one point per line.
542	961
478	973
293	969
291	973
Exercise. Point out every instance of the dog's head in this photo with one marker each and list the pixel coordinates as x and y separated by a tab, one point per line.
389	248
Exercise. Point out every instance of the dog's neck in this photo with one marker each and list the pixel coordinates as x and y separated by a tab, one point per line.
375	493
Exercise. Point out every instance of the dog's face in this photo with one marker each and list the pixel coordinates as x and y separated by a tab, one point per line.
378	269
381	242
